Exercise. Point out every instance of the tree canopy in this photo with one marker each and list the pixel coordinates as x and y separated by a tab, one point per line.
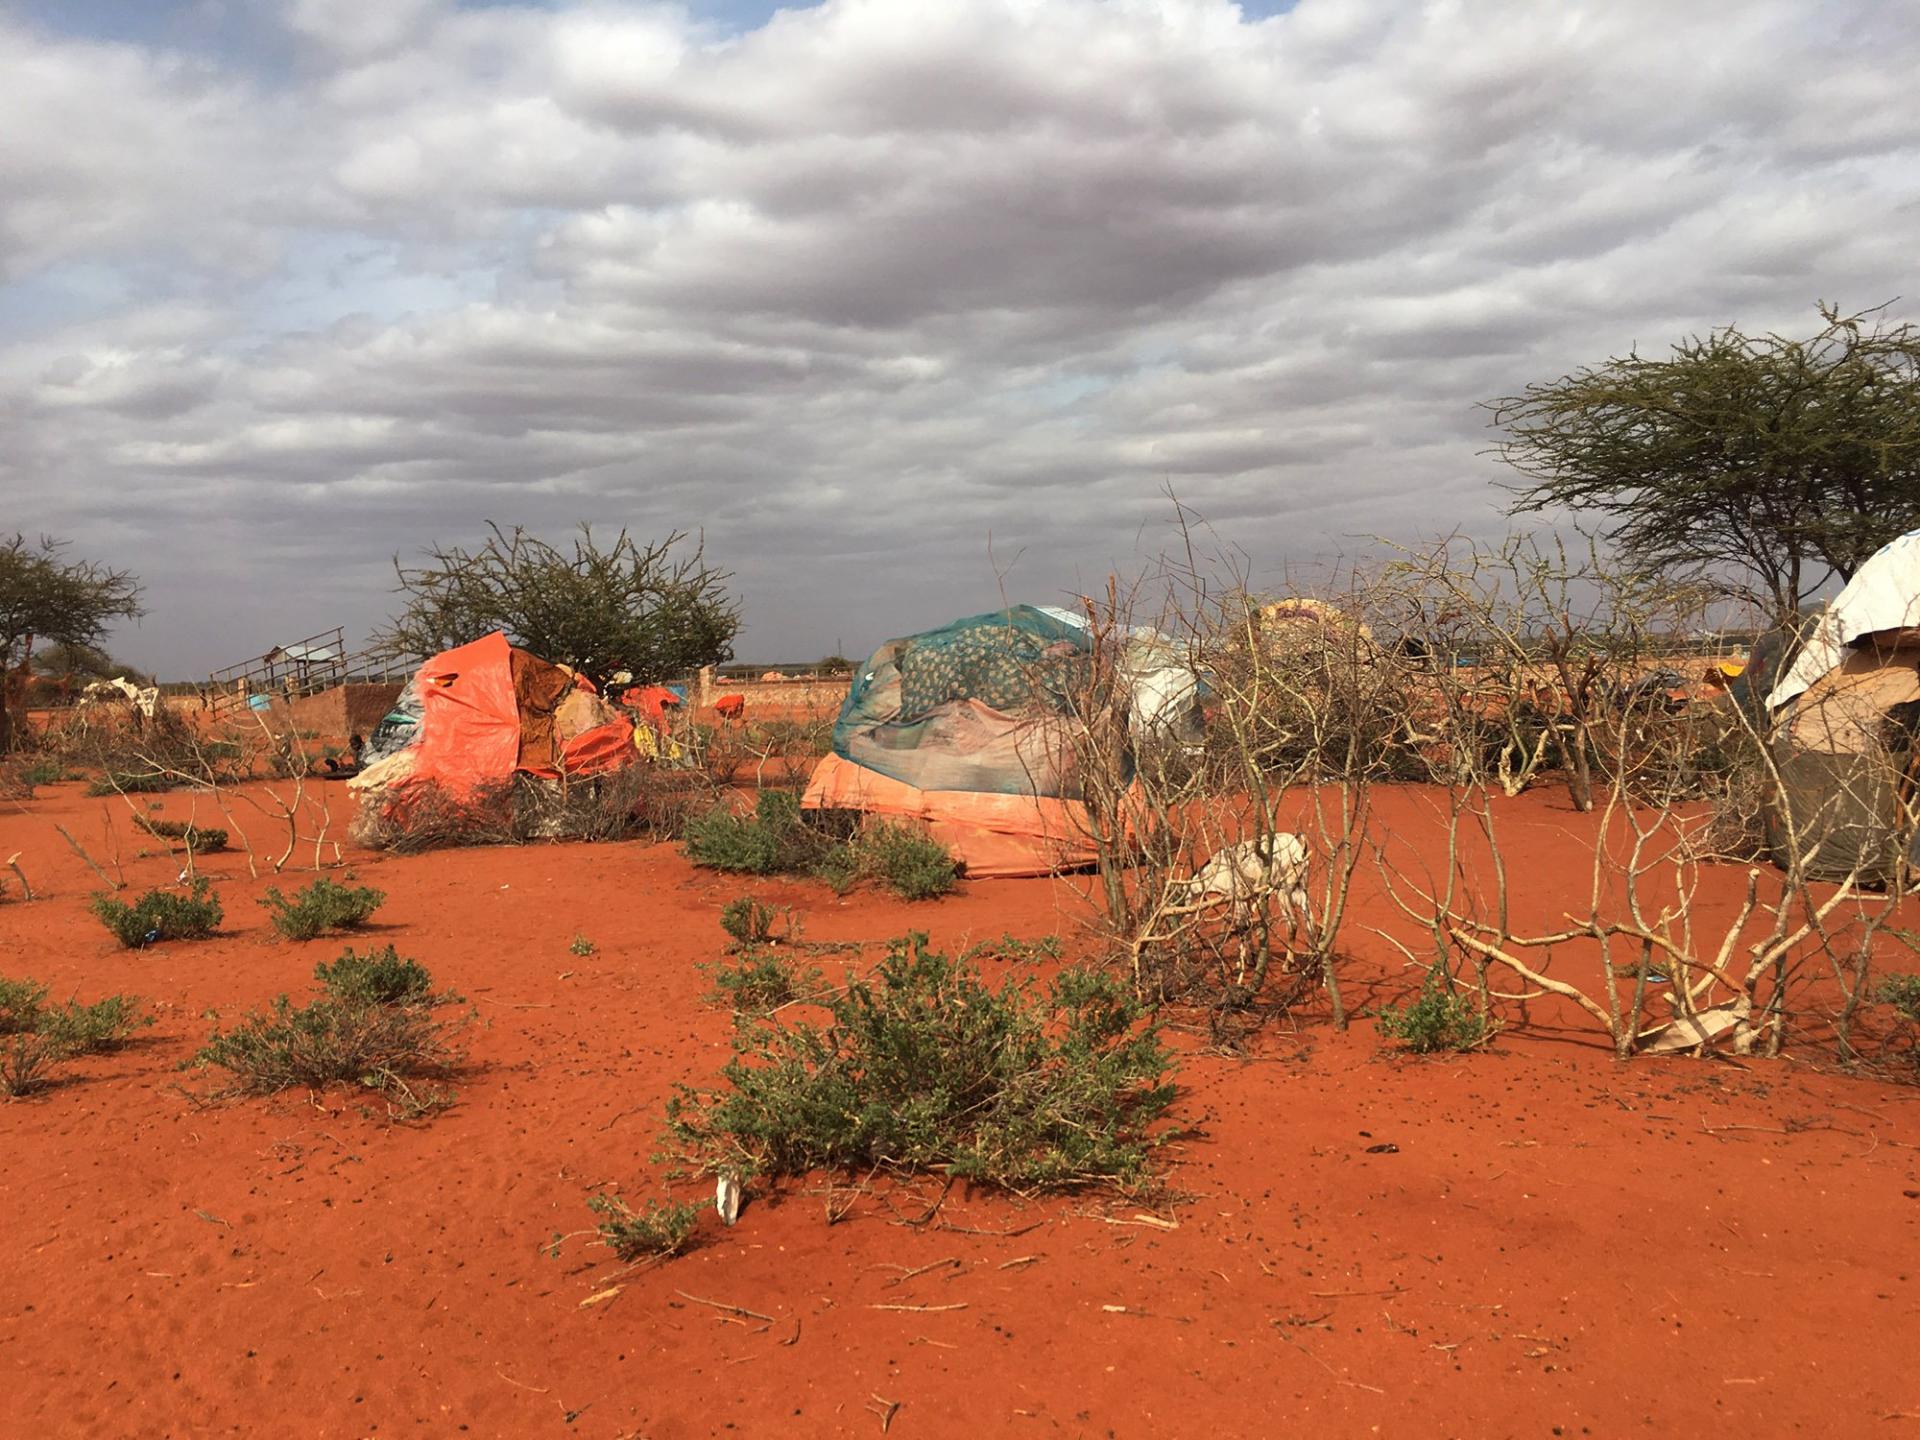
654	610
82	663
44	596
1767	463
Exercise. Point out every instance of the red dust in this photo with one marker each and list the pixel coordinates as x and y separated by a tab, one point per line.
1530	1240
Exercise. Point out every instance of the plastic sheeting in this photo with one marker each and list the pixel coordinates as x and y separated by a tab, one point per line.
1844	813
1884	594
993	835
469	717
488	709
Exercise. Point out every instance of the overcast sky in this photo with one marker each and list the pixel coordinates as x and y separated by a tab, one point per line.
883	295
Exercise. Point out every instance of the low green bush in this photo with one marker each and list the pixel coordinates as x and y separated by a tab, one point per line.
924	1068
22	1002
1902	992
36	1037
747	921
160	915
27	1063
1440	1019
762	981
582	947
780	839
90	1029
132	782
379	977
775	839
657	1230
321	906
43	770
912	864
197	839
1011	947
334	1040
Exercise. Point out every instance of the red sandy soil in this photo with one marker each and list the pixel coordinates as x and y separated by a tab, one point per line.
1559	1245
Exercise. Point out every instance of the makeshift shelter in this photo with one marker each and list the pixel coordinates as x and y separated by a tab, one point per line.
970	730
654	707
1844	716
488	710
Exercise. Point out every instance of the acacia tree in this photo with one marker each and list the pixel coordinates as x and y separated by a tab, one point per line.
654	610
44	596
1768	463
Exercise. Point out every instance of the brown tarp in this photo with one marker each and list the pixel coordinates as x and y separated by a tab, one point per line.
538	689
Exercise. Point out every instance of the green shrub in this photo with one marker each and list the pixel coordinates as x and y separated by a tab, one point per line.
26	1064
775	839
21	1006
198	839
379	977
762	981
160	915
323	905
839	867
925	1068
1011	947
339	1041
657	1230
45	770
747	921
132	782
1902	992
73	1028
582	947
778	838
34	1038
1441	1019
89	1029
914	865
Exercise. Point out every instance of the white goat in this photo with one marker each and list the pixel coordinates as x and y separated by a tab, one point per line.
1246	874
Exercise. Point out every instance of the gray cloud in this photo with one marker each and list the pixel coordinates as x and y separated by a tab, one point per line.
858	289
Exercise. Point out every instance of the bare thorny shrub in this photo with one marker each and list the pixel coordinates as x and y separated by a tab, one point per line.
1300	727
241	769
284	795
1580	640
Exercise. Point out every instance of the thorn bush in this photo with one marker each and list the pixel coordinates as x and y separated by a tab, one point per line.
160	915
924	1068
323	905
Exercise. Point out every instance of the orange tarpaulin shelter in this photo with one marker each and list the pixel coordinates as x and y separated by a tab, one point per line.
993	835
489	708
